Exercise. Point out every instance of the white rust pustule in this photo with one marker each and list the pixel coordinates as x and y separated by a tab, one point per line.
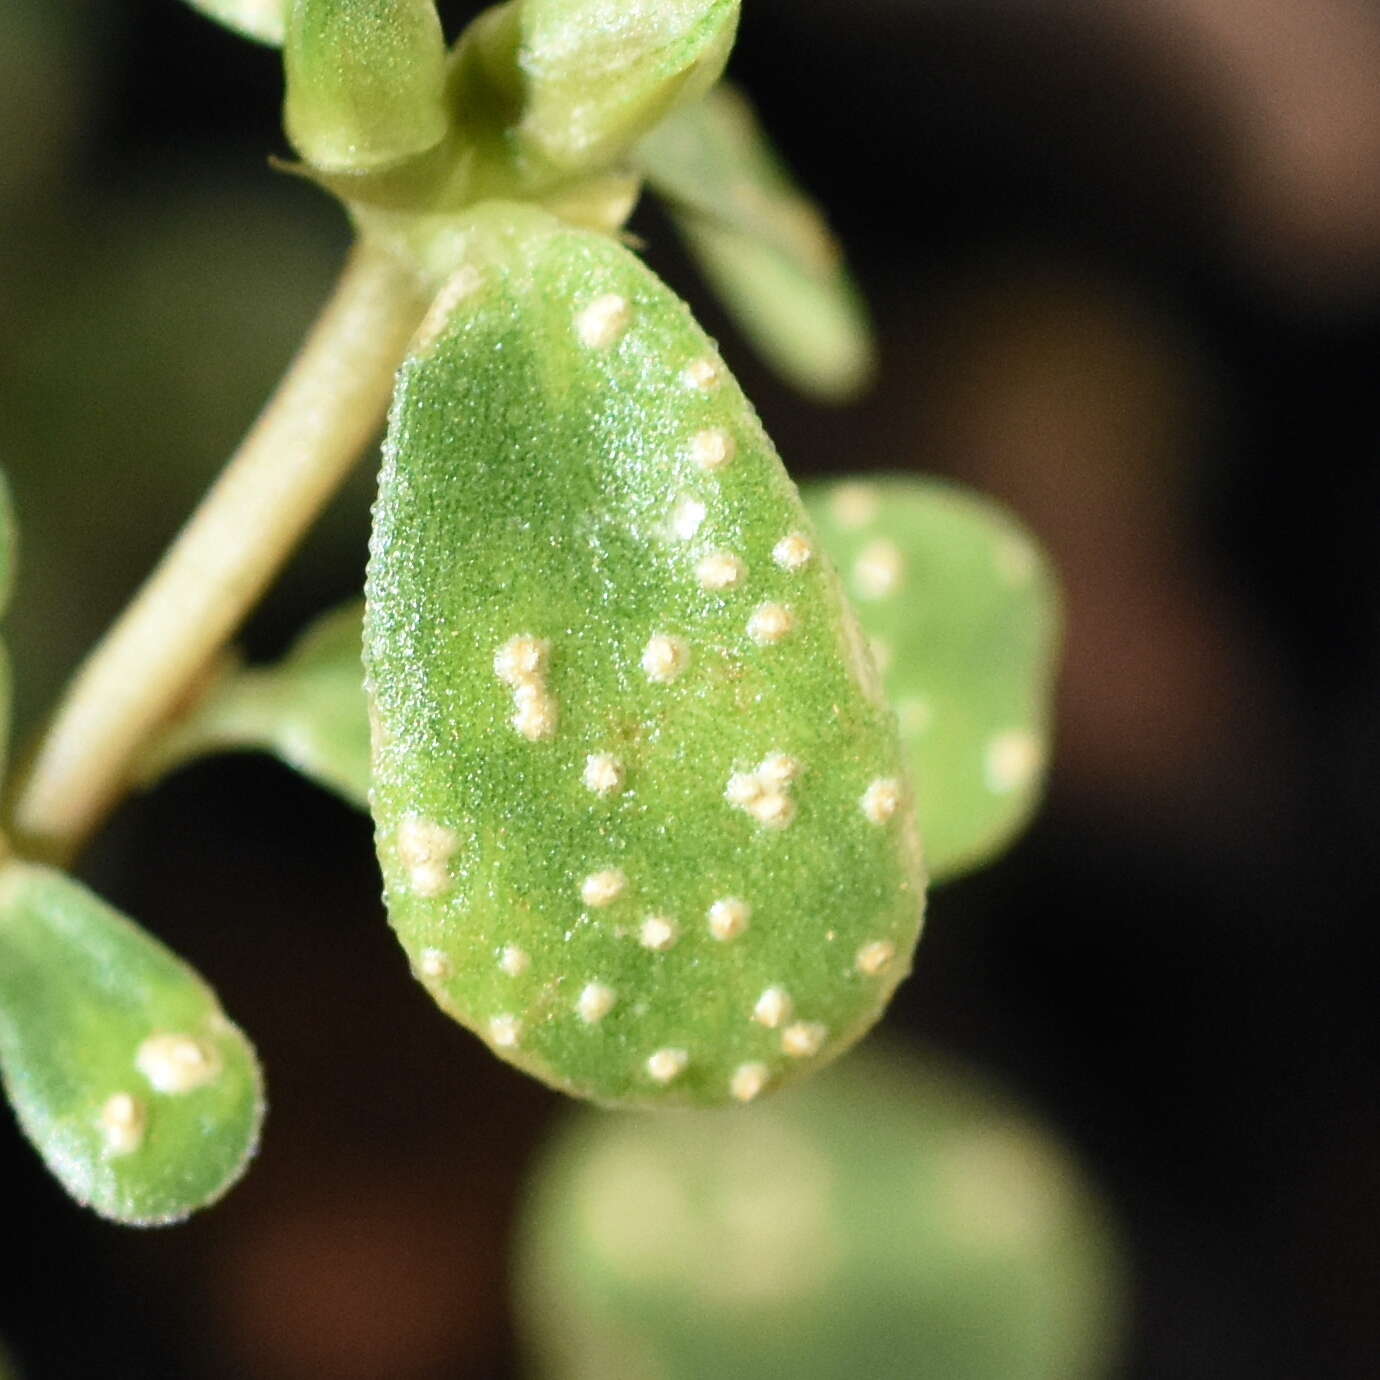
514	960
658	933
463	283
875	958
177	1063
433	964
773	1008
793	552
713	448
522	663
770	624
804	1039
666	1065
603	774
881	799
603	888
123	1120
505	1031
703	375
748	1081
595	1002
854	505
687	516
728	918
1012	761
879	569
604	321
720	570
664	658
764	792
425	849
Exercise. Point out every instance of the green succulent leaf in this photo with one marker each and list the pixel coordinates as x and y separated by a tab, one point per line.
143	1099
262	20
365	82
309	711
598	74
963	614
761	242
895	1217
641	811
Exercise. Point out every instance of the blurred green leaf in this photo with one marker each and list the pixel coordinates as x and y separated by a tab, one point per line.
309	710
365	81
598	74
143	1099
263	20
761	243
894	1219
630	752
963	615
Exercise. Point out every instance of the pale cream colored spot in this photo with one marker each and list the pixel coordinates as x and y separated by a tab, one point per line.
664	658
603	774
425	849
743	788
881	799
772	809
804	1039
702	374
433	964
537	713
463	283
875	958
658	933
770	623
687	516
793	552
713	448
521	659
1002	1190
603	322
879	569
176	1063
779	769
915	715
596	1001
854	505
505	1031
748	1080
729	918
773	1007
514	960
720	570
1015	560
667	1064
1012	761
123	1120
603	888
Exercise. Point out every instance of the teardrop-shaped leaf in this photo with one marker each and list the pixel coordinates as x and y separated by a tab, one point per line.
308	710
642	814
963	615
598	74
898	1217
263	20
365	81
761	242
143	1099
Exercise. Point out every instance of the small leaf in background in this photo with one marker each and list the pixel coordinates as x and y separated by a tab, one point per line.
963	615
598	74
8	548
895	1217
309	711
263	20
143	1099
642	814
763	245
365	81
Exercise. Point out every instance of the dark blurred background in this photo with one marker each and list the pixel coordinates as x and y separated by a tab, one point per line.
1124	258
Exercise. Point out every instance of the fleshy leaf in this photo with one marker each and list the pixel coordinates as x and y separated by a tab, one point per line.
761	242
309	711
262	20
598	74
963	615
143	1099
643	818
365	82
896	1217
8	543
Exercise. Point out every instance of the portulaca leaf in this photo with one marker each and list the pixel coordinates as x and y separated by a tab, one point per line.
142	1098
642	814
265	21
761	243
963	615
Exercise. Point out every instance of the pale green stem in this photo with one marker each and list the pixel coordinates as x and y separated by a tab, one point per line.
296	455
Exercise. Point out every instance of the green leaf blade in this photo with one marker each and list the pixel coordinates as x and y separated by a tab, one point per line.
599	73
963	612
142	1098
265	21
761	243
640	808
